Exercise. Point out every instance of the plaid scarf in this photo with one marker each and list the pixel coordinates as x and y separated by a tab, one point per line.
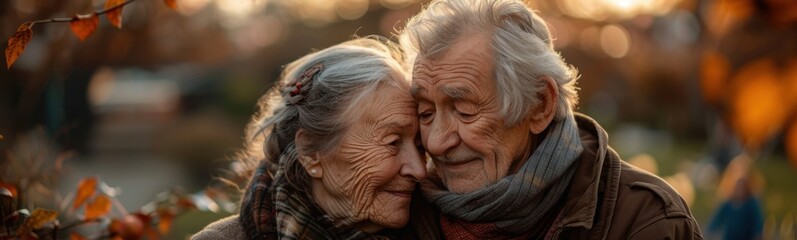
518	203
272	210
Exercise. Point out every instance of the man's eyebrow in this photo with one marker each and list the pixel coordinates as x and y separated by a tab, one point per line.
415	89
456	92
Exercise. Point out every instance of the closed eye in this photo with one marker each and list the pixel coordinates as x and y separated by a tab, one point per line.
425	117
464	114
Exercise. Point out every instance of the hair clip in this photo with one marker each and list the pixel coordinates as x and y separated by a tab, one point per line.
297	90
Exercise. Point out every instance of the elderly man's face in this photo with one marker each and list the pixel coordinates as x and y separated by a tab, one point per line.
460	124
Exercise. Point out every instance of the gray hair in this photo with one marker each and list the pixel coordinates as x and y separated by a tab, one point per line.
521	43
351	71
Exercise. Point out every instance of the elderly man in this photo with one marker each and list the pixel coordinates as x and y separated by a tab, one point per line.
509	157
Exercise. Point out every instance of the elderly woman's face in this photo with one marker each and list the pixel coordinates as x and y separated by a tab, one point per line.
374	171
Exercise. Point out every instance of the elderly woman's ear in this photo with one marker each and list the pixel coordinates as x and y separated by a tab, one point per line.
310	160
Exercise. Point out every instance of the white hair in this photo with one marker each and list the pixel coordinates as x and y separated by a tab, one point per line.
351	71
521	43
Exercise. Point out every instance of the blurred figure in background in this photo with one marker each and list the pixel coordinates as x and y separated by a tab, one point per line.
740	217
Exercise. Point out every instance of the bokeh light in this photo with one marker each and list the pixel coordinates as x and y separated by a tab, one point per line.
615	41
351	9
757	105
191	7
599	10
714	76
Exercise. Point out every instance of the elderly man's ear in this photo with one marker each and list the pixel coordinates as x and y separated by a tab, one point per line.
542	115
310	160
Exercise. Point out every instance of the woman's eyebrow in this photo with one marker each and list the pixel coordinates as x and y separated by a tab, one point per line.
416	90
397	124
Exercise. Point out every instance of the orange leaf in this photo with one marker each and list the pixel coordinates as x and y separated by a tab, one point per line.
36	220
17	43
171	4
114	16
85	190
76	236
12	189
84	25
98	208
128	227
151	234
165	222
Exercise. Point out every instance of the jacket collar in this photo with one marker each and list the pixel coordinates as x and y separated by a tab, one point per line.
596	177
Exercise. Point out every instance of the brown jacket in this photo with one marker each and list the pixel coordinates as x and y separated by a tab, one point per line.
228	228
607	199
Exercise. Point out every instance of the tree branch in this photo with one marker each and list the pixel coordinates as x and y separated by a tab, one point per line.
70	19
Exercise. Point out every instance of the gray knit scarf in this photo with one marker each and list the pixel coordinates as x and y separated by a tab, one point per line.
518	201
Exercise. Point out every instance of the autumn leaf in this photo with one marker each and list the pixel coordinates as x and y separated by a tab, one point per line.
186	202
11	188
165	221
128	227
114	16
171	4
76	236
151	234
85	190
18	42
84	25
36	220
98	208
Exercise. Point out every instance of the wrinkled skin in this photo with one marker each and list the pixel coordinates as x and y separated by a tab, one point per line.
370	178
460	124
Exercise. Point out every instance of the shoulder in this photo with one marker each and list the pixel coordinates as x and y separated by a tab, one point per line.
637	185
226	228
650	207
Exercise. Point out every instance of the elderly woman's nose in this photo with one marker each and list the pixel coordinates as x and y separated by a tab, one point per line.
413	166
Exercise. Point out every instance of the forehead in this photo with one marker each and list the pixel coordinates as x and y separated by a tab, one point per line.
390	104
469	58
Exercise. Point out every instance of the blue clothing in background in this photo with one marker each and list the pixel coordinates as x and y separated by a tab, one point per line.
739	221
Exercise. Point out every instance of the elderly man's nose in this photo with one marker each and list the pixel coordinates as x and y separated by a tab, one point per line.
442	136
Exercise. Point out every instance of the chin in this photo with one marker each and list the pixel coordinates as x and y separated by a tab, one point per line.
464	185
395	220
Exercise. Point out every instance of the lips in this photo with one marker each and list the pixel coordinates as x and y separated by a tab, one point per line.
456	157
402	194
456	163
401	189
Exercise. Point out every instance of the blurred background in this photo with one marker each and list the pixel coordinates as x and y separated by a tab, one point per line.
700	92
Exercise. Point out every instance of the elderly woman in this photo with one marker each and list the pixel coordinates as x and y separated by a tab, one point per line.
337	139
